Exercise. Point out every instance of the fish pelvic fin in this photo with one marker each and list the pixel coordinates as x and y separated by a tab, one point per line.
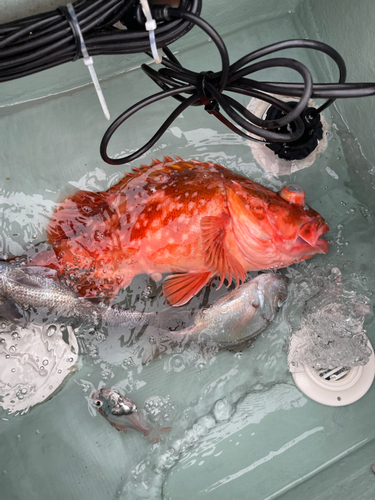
180	288
217	256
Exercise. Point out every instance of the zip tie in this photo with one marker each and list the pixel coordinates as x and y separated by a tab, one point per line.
150	26
73	22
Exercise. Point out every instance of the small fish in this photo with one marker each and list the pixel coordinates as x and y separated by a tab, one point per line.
238	317
30	286
192	219
123	414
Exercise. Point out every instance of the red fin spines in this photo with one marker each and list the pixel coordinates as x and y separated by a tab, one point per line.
180	288
217	256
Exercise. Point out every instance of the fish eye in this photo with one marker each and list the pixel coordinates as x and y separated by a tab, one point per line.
98	403
279	303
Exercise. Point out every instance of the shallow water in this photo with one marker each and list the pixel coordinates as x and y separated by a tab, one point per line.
239	424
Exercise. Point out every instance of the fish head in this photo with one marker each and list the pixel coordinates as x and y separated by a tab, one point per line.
298	231
272	291
274	230
120	411
298	227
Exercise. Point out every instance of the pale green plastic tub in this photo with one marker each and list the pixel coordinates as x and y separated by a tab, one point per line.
259	437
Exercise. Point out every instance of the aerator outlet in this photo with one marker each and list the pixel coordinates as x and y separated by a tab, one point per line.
305	145
340	386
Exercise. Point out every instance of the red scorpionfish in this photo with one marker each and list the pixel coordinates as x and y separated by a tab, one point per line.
192	219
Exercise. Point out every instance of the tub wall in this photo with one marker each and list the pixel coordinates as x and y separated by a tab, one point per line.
348	27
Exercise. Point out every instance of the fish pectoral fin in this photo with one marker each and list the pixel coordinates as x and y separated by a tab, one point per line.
180	288
217	256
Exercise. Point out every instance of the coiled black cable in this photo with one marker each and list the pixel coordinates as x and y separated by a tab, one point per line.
46	40
40	42
206	89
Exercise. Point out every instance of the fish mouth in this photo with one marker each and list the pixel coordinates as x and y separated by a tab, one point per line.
310	234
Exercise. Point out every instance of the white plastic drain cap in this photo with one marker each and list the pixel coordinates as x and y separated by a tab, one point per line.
338	387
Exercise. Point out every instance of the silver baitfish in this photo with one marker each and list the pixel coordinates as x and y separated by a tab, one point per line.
123	414
238	317
36	286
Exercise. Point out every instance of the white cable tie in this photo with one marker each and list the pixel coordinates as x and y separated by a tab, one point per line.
150	26
89	62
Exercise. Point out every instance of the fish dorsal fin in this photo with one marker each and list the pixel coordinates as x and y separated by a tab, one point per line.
251	231
39	271
217	256
180	288
28	275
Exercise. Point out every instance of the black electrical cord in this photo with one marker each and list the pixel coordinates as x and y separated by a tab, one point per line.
46	40
207	89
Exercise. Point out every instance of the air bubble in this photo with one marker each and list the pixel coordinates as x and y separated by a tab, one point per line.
176	363
45	362
12	348
222	410
13	370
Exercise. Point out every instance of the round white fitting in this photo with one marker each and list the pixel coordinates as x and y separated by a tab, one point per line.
267	159
338	387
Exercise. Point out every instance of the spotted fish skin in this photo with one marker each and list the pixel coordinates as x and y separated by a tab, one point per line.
192	219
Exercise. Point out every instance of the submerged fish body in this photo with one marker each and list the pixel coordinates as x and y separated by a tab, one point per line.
38	287
195	220
123	414
242	314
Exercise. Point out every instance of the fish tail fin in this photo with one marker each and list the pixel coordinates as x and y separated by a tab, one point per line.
10	311
155	435
169	319
155	341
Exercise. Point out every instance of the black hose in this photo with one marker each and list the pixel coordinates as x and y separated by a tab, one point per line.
207	89
46	40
